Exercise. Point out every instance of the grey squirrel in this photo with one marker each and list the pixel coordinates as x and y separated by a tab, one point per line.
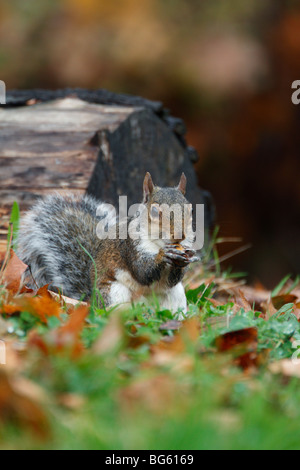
58	241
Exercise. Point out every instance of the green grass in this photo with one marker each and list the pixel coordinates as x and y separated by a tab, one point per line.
127	401
139	383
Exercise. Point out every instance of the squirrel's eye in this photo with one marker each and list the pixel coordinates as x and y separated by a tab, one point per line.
154	212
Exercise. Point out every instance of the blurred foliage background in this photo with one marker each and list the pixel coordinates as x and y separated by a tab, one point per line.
225	67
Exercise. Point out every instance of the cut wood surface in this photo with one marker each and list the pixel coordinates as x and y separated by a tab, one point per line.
56	141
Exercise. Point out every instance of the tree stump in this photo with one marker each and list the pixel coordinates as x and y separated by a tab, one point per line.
95	142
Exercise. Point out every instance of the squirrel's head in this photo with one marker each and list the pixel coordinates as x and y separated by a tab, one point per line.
169	212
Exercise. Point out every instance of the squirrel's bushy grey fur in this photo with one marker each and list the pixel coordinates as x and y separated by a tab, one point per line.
49	242
58	241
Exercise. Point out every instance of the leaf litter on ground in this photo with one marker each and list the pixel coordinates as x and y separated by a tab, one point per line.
138	358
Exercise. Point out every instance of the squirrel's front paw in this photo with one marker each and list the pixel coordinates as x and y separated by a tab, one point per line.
179	258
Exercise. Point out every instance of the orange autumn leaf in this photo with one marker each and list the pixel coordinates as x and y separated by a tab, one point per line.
280	300
13	273
65	338
41	307
75	322
21	409
10	309
112	335
179	343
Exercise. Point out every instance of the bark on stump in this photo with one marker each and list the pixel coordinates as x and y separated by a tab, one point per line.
95	142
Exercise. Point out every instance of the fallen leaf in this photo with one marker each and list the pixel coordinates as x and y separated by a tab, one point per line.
75	322
241	300
157	394
13	273
42	306
242	344
65	338
179	343
111	336
256	296
268	309
280	300
67	301
226	342
15	353
18	407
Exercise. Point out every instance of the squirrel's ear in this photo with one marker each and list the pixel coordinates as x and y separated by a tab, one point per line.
148	187
182	184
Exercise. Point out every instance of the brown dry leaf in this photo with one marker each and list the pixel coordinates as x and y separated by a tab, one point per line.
76	321
177	344
66	338
242	344
41	307
29	389
190	329
137	341
280	300
180	363
13	273
256	296
26	290
38	342
249	360
111	336
44	292
268	309
169	344
15	354
226	342
68	335
10	309
134	340
67	301
241	300
157	394
17	407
